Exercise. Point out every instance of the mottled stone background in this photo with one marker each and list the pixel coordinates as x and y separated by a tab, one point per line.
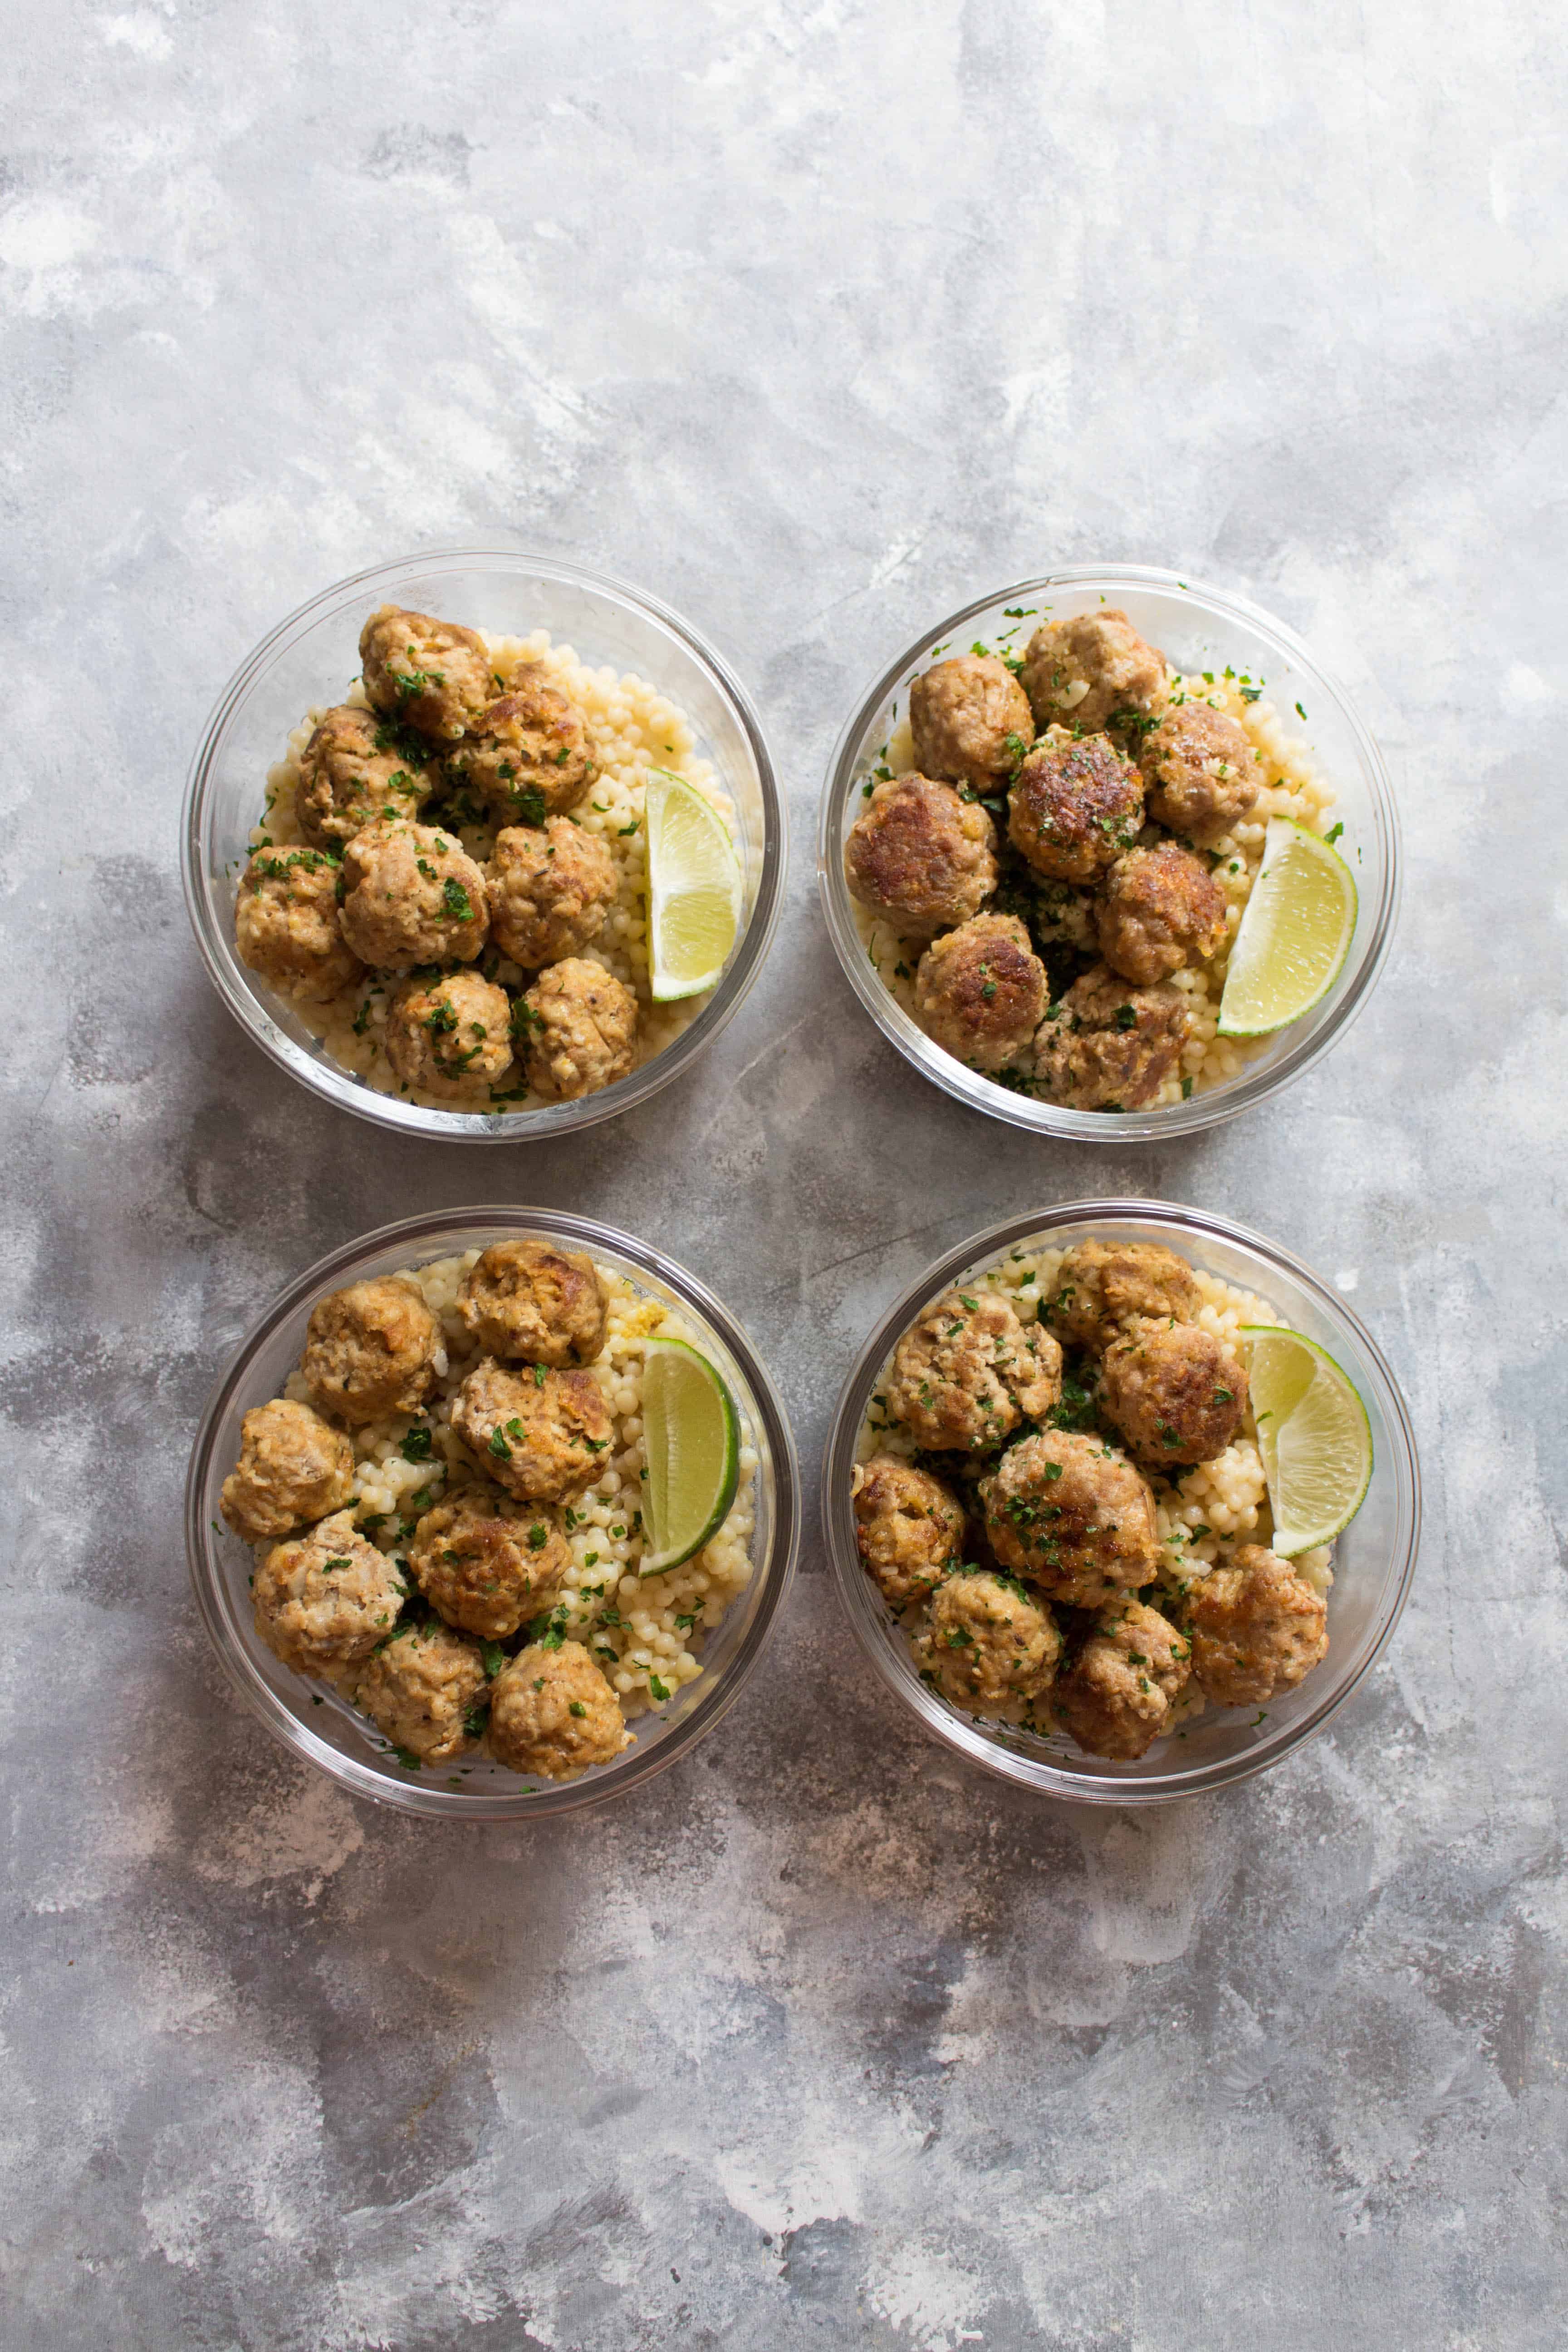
816	317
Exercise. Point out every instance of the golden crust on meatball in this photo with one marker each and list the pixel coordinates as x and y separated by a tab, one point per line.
980	992
1161	910
1176	1393
550	890
1109	1045
324	1599
576	1026
542	1434
480	1563
909	1528
370	1349
433	676
968	1372
553	1714
357	767
1102	1286
423	1689
987	1644
1071	1514
1073	806
1203	773
413	895
1093	671
921	857
970	720
1118	1695
1257	1628
293	1468
287	927
527	755
449	1037
528	1298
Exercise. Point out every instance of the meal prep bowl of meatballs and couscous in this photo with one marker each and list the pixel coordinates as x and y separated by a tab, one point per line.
1109	842
492	1514
1122	1501
483	845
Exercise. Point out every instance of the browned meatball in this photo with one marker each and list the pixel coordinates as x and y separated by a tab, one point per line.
1257	1628
553	1714
969	1371
1118	1695
326	1599
980	992
529	1298
293	1468
1202	771
412	896
919	857
481	1567
909	1528
356	767
1101	1285
970	720
1074	807
541	1433
549	890
1108	1045
528	757
370	1349
1071	1514
1092	671
1161	910
451	1036
987	1643
424	1690
287	927
577	1026
432	676
1177	1394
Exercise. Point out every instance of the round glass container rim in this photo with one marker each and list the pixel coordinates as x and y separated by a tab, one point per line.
363	1779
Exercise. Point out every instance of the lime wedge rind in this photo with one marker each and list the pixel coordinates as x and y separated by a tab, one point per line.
692	1435
694	889
1314	1435
1296	932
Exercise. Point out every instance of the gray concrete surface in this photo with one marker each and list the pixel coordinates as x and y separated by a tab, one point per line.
814	315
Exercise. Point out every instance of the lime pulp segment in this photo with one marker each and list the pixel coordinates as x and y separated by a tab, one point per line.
694	889
1312	1433
692	1434
1296	931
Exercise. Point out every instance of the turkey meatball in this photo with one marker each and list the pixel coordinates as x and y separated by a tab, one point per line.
549	891
528	756
988	1644
1118	1695
1177	1394
1102	1286
1071	1514
1201	772
432	676
1257	1629
293	1468
1108	1045
286	924
553	1714
1092	671
576	1026
1074	807
529	1298
424	1690
479	1567
356	767
1161	910
325	1599
372	1350
909	1528
980	992
539	1433
413	897
970	720
969	1371
450	1035
919	857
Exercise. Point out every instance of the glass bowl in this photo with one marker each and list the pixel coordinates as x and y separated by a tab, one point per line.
1373	1558
312	1720
1200	628
315	652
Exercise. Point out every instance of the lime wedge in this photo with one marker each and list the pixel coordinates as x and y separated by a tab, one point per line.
1313	1435
1296	931
692	1434
693	888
